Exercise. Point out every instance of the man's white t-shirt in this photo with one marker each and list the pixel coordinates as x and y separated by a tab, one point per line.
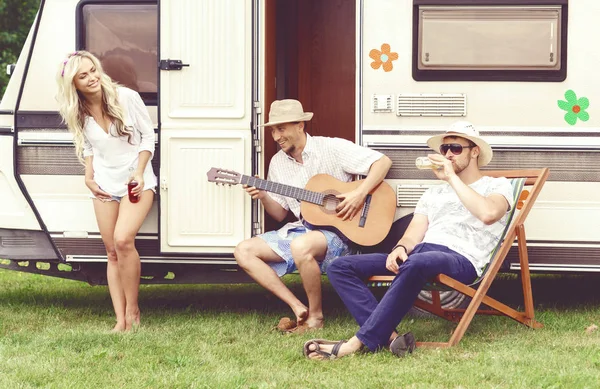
453	226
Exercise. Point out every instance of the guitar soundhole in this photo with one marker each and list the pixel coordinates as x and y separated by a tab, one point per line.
330	203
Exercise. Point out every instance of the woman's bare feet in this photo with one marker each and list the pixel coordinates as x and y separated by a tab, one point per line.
119	327
321	350
132	320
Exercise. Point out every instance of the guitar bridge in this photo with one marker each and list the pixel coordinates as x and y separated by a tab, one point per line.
364	212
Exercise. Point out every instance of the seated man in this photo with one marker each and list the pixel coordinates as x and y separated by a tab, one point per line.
455	227
271	255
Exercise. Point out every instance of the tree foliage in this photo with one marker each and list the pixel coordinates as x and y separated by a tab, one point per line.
16	18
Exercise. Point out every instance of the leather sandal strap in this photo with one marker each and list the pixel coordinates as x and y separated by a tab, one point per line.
336	348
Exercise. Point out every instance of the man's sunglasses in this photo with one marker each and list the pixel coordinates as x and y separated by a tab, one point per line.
454	148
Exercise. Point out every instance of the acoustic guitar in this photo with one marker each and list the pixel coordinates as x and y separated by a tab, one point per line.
318	203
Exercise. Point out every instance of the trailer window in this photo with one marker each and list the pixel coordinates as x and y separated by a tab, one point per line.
489	41
125	38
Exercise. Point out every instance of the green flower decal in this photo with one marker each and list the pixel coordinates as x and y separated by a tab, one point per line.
575	107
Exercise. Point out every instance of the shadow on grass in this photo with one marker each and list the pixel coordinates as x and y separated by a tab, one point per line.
549	291
28	290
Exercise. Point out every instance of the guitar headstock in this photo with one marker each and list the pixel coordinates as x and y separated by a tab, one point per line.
223	176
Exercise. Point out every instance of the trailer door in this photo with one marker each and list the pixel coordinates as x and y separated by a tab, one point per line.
205	105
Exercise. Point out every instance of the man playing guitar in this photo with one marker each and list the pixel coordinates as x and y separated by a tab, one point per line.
271	255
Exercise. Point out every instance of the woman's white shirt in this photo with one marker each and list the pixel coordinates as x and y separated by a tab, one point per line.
114	156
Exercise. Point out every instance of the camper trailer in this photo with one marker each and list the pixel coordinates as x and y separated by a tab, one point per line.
386	74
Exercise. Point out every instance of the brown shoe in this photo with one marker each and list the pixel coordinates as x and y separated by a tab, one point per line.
285	324
302	329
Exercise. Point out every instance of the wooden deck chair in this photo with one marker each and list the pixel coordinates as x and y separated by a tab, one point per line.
478	290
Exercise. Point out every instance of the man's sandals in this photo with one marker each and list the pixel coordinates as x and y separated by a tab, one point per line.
323	355
403	344
400	346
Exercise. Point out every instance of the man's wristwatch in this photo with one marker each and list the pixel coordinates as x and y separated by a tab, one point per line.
398	260
401	245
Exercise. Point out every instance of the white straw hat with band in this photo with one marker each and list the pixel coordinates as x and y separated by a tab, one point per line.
287	111
465	130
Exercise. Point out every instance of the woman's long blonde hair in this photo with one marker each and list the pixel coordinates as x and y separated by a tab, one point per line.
71	101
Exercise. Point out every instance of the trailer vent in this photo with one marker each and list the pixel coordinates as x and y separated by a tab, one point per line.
407	195
382	103
16	241
432	104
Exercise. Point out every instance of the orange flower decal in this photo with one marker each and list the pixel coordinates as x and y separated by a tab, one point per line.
383	57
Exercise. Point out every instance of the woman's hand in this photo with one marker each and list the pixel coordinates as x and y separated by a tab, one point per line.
96	191
137	190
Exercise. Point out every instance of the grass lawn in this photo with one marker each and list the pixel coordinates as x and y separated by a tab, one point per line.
54	334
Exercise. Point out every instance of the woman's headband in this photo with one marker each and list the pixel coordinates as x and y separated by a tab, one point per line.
62	74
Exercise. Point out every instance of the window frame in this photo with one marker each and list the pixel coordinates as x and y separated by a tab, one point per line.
487	74
149	98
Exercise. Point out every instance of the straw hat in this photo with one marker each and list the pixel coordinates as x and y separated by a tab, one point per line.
465	130
287	111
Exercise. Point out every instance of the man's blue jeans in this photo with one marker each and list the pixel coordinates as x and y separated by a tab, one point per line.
378	321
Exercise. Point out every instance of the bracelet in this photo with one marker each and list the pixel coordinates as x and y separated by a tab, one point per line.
400	245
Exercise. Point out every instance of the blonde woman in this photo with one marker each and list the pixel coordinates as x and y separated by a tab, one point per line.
114	139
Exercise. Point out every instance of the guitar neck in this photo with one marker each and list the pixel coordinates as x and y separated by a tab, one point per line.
284	190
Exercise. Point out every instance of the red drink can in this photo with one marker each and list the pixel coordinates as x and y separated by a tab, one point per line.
132	197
